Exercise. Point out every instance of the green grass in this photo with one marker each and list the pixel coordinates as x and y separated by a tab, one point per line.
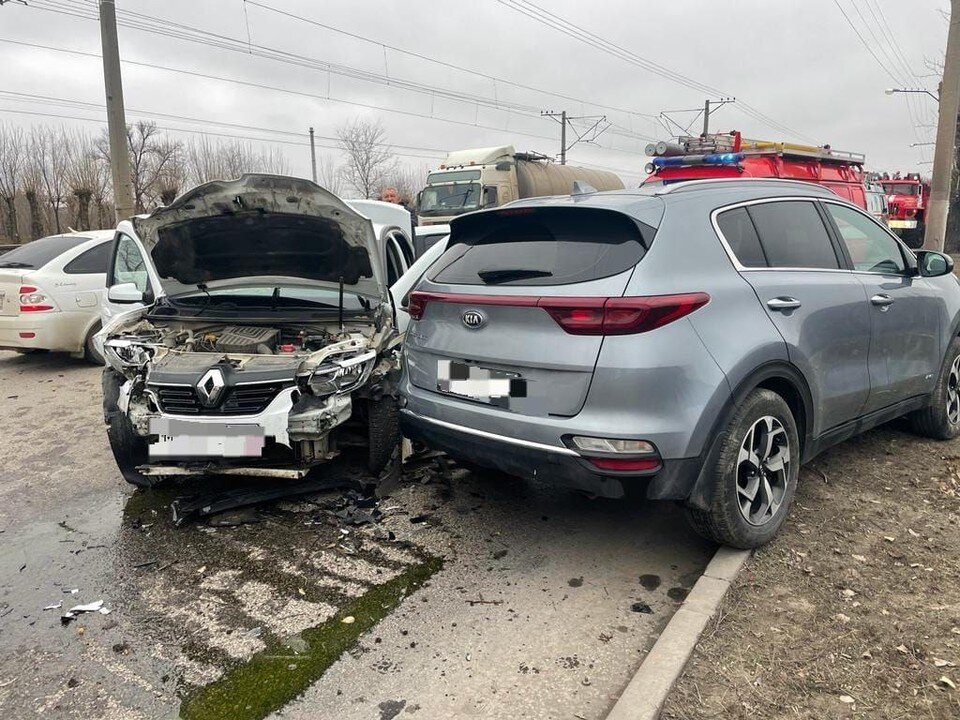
276	675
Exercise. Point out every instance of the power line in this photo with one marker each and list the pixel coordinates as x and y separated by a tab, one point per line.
865	43
570	29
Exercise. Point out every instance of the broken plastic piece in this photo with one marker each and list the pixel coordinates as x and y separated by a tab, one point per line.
71	614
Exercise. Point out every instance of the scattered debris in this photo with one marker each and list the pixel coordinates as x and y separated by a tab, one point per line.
499	554
641	607
147	563
947	682
94	607
847	699
233	518
575	582
937	662
348	620
72	682
416	519
481	601
54	607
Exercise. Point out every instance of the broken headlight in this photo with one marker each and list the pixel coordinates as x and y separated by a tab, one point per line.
122	354
341	374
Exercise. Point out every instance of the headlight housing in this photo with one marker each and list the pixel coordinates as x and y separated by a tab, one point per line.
341	374
122	354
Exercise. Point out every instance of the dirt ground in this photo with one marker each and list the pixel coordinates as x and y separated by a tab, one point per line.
854	610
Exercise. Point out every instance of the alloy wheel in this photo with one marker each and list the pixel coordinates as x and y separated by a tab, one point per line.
763	467
953	392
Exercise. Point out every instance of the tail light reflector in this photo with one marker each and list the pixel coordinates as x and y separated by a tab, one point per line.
625	464
583	315
32	300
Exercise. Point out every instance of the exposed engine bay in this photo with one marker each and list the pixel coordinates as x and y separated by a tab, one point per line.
206	395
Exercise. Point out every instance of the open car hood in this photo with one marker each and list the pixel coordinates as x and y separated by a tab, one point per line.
230	233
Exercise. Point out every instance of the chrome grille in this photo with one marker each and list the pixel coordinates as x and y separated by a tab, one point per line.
239	400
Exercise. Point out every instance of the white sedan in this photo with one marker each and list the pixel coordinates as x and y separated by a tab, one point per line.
50	293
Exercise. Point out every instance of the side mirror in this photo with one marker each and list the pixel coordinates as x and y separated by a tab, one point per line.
934	264
490	196
124	293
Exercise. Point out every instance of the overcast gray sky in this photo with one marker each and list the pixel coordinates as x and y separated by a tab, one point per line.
797	62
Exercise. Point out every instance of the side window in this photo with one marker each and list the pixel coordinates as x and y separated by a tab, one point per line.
94	260
394	263
128	265
741	236
793	235
869	247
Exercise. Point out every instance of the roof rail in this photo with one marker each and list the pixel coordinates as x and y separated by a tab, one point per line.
682	185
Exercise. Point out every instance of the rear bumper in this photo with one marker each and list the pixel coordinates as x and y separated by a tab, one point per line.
555	465
51	331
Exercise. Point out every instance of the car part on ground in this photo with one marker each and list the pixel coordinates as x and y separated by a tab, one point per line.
700	340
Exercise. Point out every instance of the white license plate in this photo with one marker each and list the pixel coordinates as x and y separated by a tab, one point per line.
186	439
902	224
479	383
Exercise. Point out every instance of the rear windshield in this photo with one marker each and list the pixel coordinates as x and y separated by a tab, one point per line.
542	246
38	253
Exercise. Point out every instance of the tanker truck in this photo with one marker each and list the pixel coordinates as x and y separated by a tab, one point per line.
487	177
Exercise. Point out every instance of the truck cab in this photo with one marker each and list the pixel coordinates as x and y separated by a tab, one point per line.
468	180
907	199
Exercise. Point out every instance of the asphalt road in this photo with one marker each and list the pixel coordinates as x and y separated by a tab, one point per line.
475	596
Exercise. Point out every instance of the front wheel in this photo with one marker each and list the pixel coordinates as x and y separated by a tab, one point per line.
940	420
129	449
754	477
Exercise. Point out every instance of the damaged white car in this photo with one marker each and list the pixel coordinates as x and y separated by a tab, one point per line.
264	340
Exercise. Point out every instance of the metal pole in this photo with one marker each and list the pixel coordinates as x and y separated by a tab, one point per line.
706	117
116	121
313	156
943	157
563	138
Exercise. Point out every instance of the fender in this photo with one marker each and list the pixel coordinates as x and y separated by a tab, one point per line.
700	495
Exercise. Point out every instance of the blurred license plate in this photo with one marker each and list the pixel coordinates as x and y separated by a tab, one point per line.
185	439
479	383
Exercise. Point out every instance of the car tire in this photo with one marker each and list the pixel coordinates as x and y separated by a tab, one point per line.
383	417
753	477
940	420
90	353
129	449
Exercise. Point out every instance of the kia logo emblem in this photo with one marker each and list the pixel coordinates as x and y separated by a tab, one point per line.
473	319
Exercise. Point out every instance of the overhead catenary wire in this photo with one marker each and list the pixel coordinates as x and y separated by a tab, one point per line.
539	14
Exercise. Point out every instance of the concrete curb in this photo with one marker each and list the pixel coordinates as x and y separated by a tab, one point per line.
648	689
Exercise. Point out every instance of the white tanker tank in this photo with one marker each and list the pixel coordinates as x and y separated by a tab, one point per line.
488	177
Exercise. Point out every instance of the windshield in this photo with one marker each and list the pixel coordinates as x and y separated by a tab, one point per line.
901	188
449	199
38	253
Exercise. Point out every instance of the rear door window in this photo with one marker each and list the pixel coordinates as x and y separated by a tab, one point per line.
741	237
548	246
94	260
793	235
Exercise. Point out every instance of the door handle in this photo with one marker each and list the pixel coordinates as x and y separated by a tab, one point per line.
882	301
783	303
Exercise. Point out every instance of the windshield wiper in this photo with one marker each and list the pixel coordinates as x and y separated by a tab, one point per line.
492	277
15	264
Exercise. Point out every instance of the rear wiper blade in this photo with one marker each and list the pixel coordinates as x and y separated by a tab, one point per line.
508	274
15	264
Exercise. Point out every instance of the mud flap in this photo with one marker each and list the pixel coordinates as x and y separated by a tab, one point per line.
701	496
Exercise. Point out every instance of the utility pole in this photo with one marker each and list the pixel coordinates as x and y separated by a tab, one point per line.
588	135
116	119
313	157
943	156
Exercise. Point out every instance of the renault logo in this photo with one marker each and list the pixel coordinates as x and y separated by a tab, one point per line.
473	319
210	387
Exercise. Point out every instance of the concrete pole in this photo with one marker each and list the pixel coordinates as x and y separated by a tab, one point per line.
313	157
116	119
706	117
563	138
943	157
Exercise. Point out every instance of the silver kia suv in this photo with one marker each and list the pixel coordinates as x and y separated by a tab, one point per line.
700	340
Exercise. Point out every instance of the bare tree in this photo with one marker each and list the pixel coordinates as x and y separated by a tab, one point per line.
208	160
32	181
84	176
369	159
172	177
329	174
12	157
149	154
53	160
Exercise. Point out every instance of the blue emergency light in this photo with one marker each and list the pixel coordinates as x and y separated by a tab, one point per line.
711	159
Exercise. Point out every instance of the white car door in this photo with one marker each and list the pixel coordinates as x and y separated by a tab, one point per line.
128	267
402	287
84	278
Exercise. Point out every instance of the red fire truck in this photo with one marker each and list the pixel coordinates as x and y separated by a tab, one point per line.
728	155
907	198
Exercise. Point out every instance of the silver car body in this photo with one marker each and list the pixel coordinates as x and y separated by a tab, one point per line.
847	347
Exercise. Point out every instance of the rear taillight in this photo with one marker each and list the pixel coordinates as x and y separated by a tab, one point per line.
32	300
583	315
